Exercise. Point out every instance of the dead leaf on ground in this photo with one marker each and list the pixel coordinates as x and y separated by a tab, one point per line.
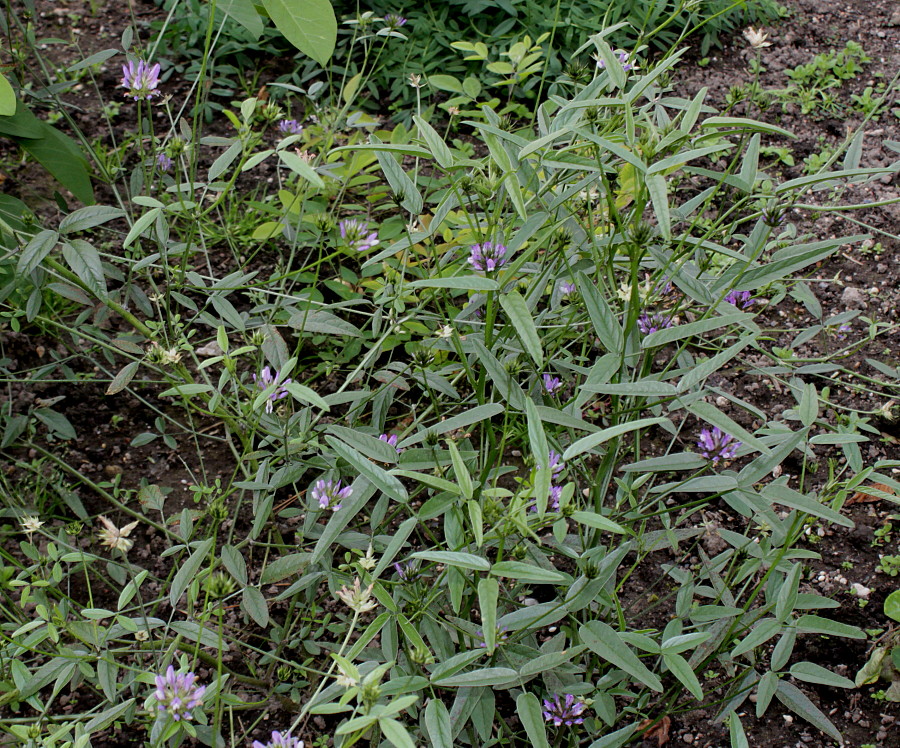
871	494
660	730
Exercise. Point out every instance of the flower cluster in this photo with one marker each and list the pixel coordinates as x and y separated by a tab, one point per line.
164	161
409	571
551	383
564	710
178	693
566	289
329	494
501	636
390	439
624	60
716	445
354	232
487	257
267	379
648	323
553	500
774	216
290	127
741	299
394	21
140	80
114	537
356	598
279	740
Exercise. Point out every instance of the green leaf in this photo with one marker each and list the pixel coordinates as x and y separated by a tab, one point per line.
123	378
61	156
502	380
605	322
812	673
598	521
84	260
378	476
892	605
529	710
680	668
396	733
435	142
454	558
305	394
437	724
461	472
141	225
795	700
528	573
89	217
474	415
244	12
467	282
254	604
188	571
488	592
35	251
736	732
324	323
309	25
604	641
300	167
107	717
284	567
517	310
489	676
186	389
402	186
700	327
590	441
656	185
7	98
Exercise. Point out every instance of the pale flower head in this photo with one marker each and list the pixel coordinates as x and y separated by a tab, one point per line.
356	598
756	37
30	524
114	537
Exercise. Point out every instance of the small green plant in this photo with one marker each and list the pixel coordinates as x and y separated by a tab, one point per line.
883	534
889	565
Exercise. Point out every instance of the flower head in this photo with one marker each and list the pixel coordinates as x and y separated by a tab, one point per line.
774	216
354	232
756	37
551	383
356	598
140	80
408	571
279	740
267	379
487	257
566	289
624	60
556	463
501	636
564	710
30	524
648	323
329	494
164	161
716	445
394	21
390	439
740	299
290	127
114	537
178	693
553	501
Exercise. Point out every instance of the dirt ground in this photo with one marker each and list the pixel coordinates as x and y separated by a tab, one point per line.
860	277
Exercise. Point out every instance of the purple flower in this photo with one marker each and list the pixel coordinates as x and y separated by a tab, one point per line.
178	694
279	740
774	216
487	257
408	571
551	383
552	500
740	299
330	494
566	289
354	233
556	463
140	80
842	330
394	21
390	439
290	127
266	380
564	710
164	162
623	61
648	323
716	445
